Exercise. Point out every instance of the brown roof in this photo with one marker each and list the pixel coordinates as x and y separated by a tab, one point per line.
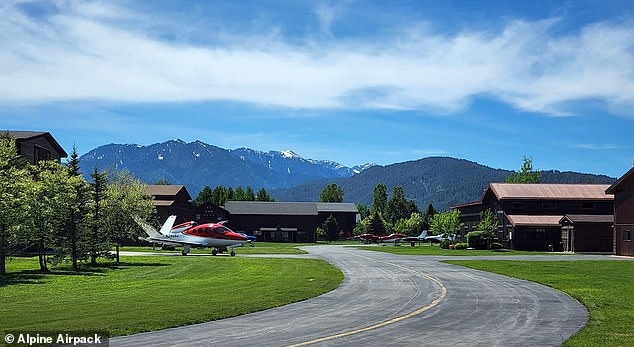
588	218
620	182
467	204
26	135
549	191
287	208
169	189
534	221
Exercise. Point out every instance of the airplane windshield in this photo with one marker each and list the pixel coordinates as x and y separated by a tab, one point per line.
220	230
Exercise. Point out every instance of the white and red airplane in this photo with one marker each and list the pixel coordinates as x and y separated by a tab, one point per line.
190	234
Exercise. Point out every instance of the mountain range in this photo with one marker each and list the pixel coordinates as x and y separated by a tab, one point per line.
197	164
442	181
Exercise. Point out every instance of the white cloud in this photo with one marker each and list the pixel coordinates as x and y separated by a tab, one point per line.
596	146
84	53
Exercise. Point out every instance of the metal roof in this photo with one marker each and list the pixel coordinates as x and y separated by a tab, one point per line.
337	207
274	208
588	218
549	191
286	208
621	182
534	221
169	189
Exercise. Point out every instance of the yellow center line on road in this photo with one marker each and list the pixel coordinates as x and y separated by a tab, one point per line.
436	301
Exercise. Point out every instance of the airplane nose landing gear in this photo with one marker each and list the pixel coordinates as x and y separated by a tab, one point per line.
233	253
214	251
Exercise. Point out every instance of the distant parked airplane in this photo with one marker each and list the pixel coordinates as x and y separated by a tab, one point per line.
440	238
419	238
190	234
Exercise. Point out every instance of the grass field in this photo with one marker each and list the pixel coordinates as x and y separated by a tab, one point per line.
260	248
150	293
427	249
606	288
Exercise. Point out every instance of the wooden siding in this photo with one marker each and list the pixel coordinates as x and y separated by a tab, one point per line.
587	237
624	247
254	224
33	149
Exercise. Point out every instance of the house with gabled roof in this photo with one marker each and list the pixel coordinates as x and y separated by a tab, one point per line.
530	215
171	200
288	221
623	192
36	145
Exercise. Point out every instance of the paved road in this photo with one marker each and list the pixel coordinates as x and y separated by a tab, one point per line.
387	299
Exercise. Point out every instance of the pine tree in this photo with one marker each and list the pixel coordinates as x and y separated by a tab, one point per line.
376	224
526	173
75	227
98	242
331	193
263	195
427	217
248	194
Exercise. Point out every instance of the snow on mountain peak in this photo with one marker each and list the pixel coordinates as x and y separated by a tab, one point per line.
289	154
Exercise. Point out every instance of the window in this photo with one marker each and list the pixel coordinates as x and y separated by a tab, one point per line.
549	205
587	205
220	230
627	235
518	205
41	153
208	230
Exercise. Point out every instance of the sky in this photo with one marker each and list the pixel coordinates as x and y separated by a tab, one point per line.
349	81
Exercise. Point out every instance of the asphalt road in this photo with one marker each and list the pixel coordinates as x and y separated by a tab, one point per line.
389	299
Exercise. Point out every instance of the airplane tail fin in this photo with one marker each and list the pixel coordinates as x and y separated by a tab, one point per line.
169	223
147	228
423	234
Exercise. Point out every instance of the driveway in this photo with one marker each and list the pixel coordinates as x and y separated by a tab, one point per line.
389	299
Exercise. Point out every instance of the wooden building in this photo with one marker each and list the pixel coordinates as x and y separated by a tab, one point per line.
35	146
587	233
288	221
172	199
623	191
529	215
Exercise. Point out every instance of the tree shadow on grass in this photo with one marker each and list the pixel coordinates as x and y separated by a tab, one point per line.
39	277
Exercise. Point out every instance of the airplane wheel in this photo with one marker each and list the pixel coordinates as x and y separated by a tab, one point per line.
183	253
214	252
233	254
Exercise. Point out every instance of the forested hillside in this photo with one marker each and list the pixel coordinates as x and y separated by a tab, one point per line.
441	181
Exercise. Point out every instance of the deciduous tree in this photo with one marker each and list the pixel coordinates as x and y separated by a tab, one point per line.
379	201
14	184
447	222
126	198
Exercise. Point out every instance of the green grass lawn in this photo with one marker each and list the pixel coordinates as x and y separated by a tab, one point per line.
428	249
260	248
606	288
150	293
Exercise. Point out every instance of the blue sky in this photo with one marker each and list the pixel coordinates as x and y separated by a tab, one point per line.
349	81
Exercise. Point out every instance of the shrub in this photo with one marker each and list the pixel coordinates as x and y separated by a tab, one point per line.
444	244
496	245
478	239
461	245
